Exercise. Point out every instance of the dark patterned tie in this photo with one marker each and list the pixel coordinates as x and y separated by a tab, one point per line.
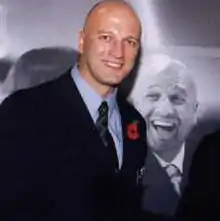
102	126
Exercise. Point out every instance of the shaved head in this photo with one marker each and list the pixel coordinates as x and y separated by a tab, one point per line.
104	5
174	74
168	72
108	45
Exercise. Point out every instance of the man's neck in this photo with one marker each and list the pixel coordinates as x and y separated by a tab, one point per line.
170	155
102	89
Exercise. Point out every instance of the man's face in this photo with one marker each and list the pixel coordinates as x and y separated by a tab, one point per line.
169	106
109	46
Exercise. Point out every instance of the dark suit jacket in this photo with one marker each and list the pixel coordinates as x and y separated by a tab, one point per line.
201	199
159	195
53	163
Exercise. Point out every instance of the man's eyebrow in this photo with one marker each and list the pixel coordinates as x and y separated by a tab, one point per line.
153	86
104	32
133	38
112	33
181	89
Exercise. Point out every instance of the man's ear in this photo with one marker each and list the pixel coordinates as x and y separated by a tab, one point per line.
81	36
195	107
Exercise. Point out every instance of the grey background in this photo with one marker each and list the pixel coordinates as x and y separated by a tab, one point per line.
187	30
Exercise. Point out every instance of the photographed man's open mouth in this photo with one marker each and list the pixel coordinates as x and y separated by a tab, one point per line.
163	129
163	125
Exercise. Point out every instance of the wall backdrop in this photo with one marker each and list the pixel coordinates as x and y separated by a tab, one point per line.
186	30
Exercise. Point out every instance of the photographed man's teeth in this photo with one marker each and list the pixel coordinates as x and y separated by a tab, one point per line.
163	124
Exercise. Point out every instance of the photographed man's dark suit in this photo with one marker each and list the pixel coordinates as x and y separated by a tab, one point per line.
201	199
54	165
159	195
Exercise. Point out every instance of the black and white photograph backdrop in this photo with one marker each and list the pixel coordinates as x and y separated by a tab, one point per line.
186	30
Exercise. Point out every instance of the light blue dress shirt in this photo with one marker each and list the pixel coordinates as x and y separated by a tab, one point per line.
93	100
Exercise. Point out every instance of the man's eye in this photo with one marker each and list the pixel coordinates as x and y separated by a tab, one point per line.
153	97
132	43
105	37
178	100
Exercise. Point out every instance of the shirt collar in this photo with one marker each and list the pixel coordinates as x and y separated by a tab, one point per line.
3	94
177	161
91	98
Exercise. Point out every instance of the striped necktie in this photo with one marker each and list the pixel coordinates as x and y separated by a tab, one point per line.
102	126
175	177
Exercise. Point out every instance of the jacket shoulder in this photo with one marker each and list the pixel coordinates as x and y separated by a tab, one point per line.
24	107
210	142
28	97
206	157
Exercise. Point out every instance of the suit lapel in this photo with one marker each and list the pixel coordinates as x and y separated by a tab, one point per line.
186	165
190	146
73	103
126	144
130	146
156	176
159	195
76	114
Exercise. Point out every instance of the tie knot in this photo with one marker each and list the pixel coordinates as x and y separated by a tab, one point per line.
103	109
173	171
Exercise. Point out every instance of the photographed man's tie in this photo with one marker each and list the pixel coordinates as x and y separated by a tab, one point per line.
175	177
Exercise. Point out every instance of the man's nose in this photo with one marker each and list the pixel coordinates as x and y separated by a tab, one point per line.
117	49
165	107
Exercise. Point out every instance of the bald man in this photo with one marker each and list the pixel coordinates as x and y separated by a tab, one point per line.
72	149
166	97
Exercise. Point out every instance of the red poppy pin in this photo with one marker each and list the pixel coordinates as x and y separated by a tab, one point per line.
132	131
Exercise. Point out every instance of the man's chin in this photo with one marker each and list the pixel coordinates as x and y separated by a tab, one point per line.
161	135
112	83
159	145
